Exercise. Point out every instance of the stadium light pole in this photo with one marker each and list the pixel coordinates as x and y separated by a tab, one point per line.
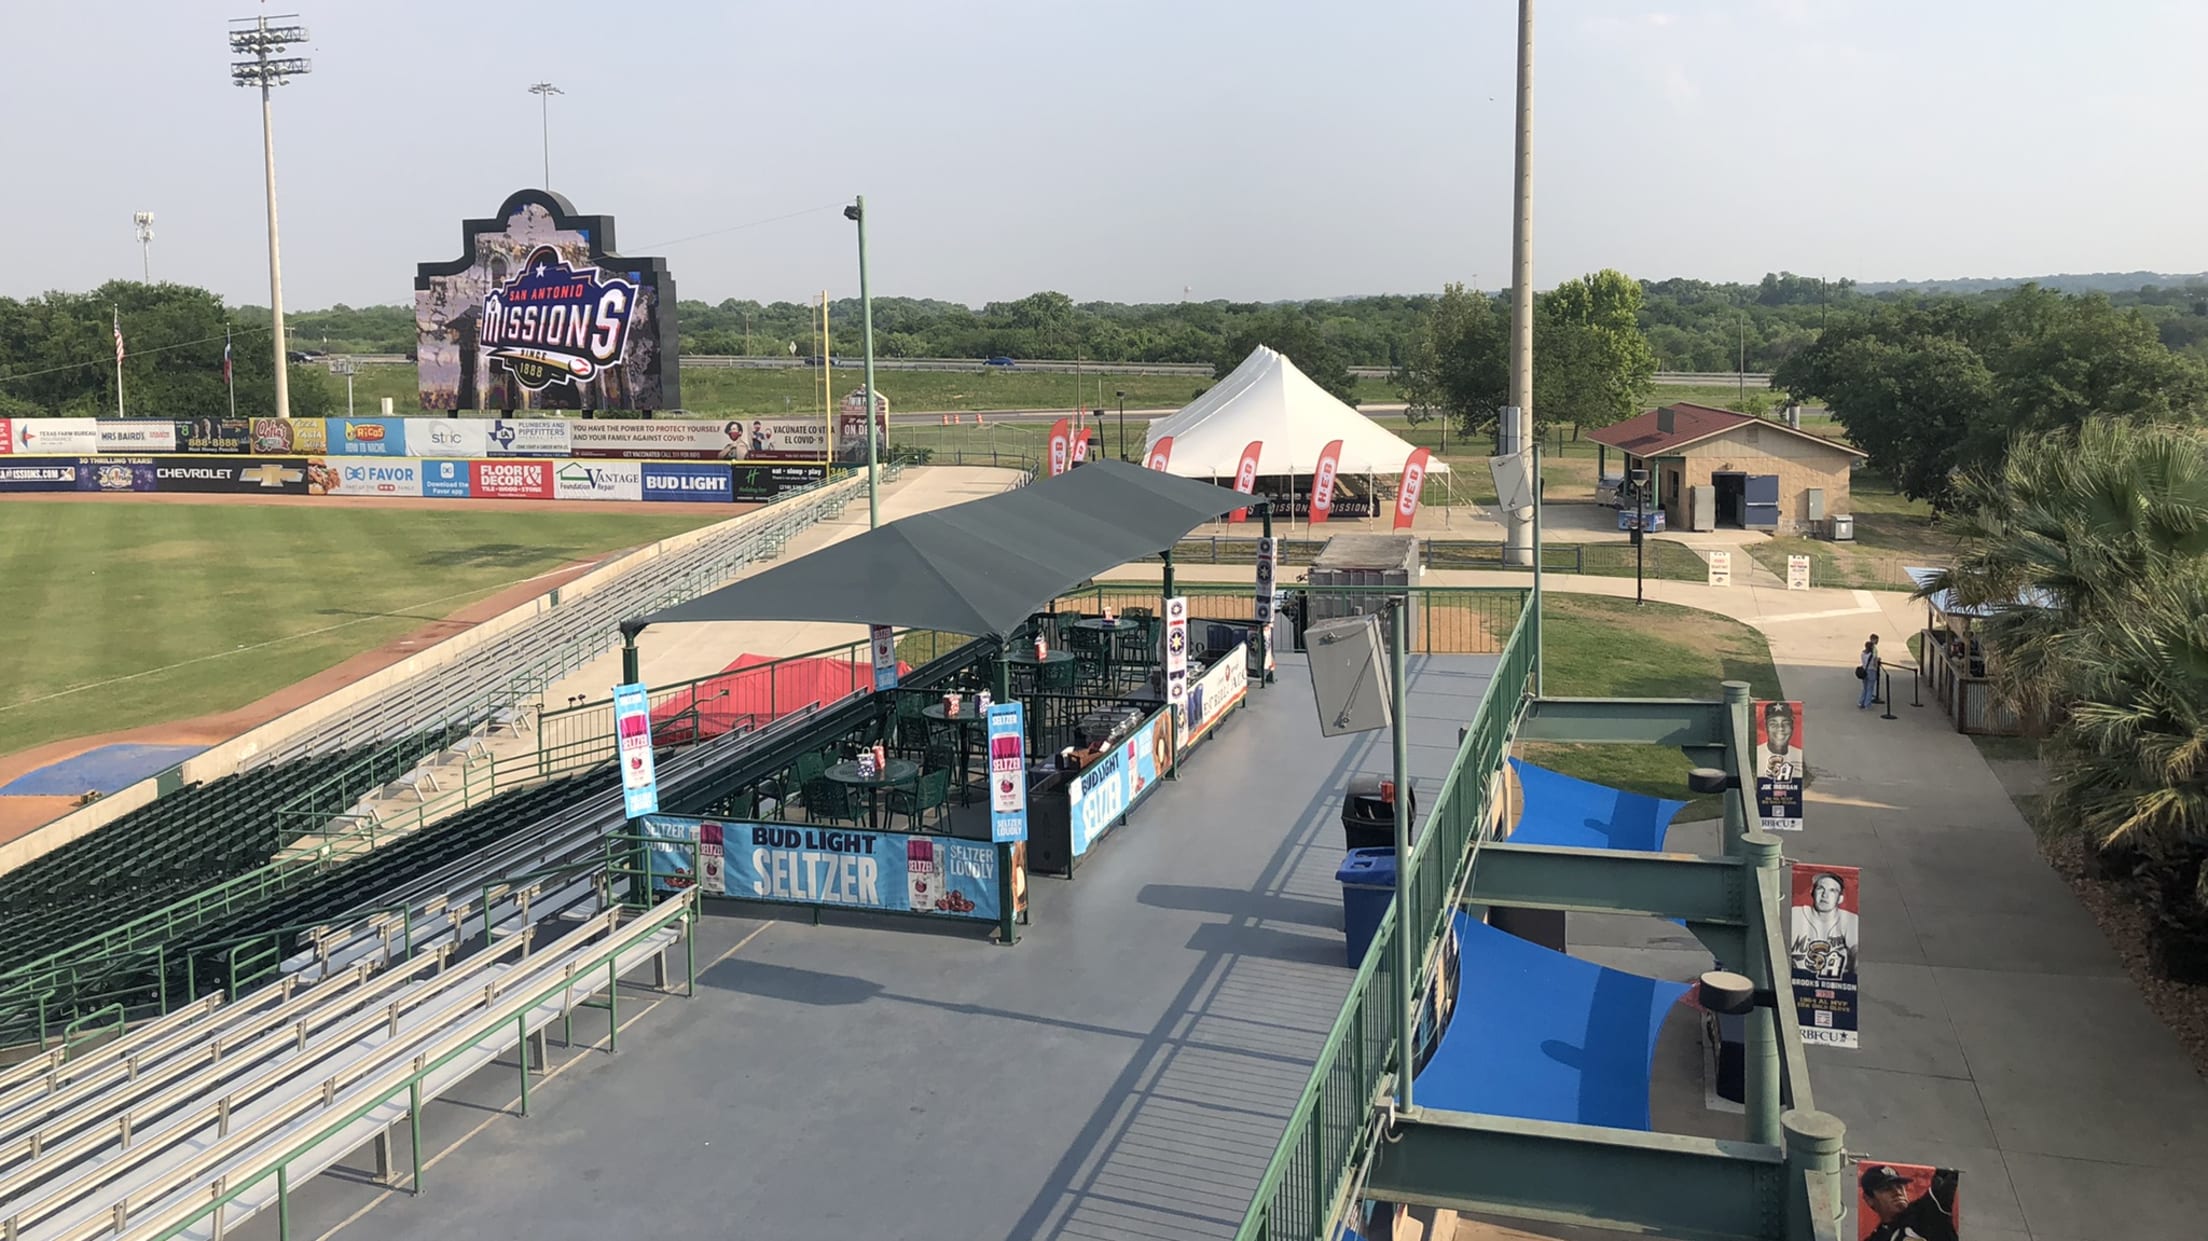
544	92
144	221
1517	422
856	213
268	67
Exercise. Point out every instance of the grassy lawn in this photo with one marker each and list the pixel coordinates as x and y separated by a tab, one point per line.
207	607
1891	531
1599	647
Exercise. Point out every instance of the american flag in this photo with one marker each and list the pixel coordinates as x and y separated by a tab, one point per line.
226	355
118	336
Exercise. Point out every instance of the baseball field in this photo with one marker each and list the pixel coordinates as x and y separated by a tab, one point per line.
115	615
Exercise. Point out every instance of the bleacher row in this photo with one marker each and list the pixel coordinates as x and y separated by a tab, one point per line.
506	676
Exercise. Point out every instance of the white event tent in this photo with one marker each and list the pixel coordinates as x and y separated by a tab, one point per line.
1269	400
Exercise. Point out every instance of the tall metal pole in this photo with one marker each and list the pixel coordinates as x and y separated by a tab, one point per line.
275	258
267	69
1518	527
1406	949
544	92
857	213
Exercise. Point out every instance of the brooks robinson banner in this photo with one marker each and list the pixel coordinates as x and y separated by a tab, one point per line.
1823	941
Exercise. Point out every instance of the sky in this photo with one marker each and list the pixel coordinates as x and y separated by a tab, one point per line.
1137	150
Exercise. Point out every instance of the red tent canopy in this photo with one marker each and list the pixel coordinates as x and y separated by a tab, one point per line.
755	691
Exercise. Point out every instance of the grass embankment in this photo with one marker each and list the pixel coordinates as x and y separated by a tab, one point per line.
1892	532
123	614
1609	648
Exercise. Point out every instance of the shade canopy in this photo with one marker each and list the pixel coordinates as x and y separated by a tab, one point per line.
982	567
1268	400
1566	811
1544	1036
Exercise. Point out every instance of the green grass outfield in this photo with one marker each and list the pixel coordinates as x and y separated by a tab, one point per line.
158	612
1598	647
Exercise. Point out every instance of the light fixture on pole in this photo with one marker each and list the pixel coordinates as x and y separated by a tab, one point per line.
1640	531
267	68
544	92
856	213
144	221
345	367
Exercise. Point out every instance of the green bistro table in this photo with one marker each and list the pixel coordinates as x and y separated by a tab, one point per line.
897	771
968	721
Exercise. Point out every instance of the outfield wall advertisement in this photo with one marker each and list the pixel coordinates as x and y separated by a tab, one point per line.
444	478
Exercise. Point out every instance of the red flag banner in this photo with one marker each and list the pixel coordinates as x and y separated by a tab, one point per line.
1245	476
1061	446
1322	481
1081	444
1406	492
1160	453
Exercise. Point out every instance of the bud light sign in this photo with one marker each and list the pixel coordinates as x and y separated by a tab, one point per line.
688	483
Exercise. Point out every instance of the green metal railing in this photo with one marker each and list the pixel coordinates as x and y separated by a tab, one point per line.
1456	620
1666	558
1330	1132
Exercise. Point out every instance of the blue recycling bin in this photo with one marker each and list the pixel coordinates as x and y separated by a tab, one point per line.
1367	877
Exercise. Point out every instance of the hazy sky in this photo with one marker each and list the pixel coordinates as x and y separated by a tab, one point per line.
1119	150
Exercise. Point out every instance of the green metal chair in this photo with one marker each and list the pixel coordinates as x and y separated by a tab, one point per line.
828	801
931	792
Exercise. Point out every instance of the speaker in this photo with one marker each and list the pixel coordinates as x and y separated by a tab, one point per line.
1348	675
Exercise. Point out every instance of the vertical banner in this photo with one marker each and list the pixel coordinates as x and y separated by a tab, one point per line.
1061	447
1176	651
1797	573
884	642
1007	773
1721	568
1322	481
1245	476
632	730
1907	1202
1781	765
1268	564
1160	453
1081	445
1822	945
1407	490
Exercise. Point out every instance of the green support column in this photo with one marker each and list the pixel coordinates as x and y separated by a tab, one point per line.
1168	575
1537	595
1760	1040
1407	944
1740	761
1008	931
1815	1165
631	672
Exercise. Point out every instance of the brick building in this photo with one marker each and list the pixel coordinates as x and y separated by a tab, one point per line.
1713	467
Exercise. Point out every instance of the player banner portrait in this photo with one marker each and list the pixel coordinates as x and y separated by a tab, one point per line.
540	312
1907	1202
1822	946
1780	765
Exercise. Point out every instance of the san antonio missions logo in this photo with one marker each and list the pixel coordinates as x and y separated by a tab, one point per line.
555	323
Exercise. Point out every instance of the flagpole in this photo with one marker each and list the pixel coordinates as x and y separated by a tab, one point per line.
229	371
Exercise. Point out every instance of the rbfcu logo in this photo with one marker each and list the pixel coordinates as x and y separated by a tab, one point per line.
555	323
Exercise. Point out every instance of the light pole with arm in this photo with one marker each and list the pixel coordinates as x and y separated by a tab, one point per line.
544	92
856	213
268	67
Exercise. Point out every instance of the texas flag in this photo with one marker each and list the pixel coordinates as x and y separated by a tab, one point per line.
226	355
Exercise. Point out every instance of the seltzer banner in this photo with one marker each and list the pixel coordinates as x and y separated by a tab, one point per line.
1823	946
1007	772
847	868
1160	453
883	640
1906	1202
1781	764
1797	573
1721	568
1407	491
1322	481
632	730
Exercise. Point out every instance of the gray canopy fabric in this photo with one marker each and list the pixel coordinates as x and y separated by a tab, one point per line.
982	567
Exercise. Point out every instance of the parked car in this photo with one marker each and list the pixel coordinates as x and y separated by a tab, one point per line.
1001	360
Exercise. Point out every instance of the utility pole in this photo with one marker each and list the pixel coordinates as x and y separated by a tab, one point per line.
1518	420
544	92
856	213
268	68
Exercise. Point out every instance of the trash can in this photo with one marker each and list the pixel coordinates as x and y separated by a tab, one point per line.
1367	877
1367	821
1843	528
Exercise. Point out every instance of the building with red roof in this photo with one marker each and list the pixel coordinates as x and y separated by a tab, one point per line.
1714	467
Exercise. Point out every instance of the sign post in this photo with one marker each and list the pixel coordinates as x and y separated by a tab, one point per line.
1007	804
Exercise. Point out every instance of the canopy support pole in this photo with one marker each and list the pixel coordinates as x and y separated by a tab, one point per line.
1537	487
1407	945
630	674
1168	573
1261	632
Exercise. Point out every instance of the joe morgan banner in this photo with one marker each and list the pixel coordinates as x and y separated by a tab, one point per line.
791	863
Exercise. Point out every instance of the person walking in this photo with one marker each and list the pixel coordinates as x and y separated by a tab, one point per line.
1866	671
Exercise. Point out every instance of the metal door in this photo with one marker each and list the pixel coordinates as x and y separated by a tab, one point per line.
1762	499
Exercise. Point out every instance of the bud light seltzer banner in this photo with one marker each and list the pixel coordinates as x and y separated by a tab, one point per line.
1007	773
1906	1202
1780	765
632	730
801	864
1822	944
540	312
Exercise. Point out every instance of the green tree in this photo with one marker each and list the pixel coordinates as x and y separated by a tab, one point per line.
1592	365
1458	363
